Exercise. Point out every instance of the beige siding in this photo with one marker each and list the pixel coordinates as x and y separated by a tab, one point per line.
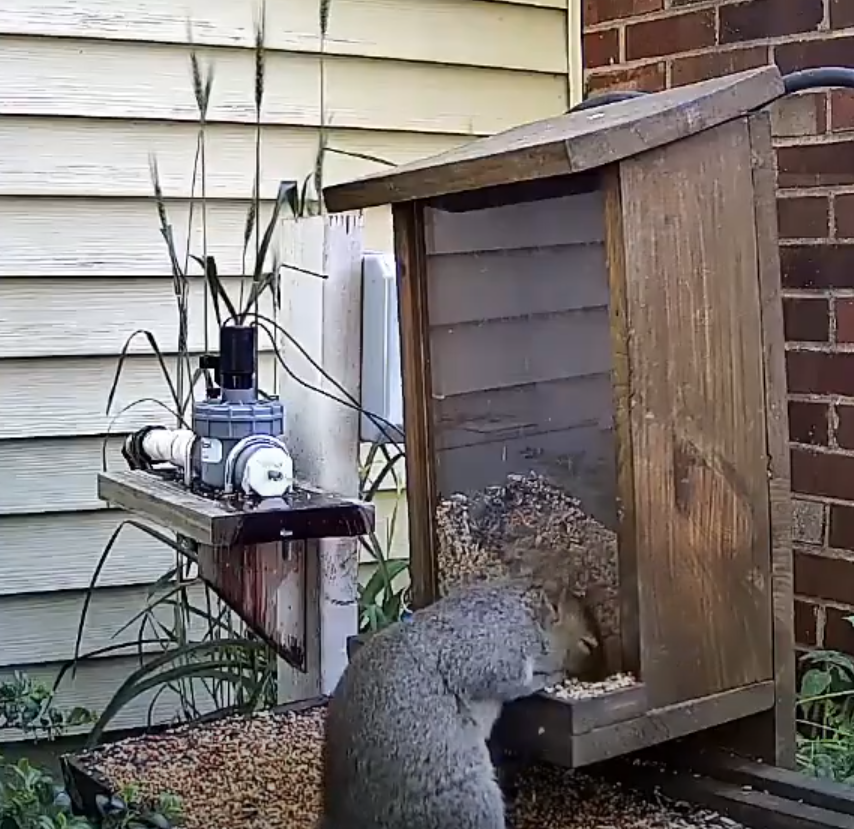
88	88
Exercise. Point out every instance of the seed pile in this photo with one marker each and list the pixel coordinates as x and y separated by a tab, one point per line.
480	534
575	689
264	771
553	798
238	773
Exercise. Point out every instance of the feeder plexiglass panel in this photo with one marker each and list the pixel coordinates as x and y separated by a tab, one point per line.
521	364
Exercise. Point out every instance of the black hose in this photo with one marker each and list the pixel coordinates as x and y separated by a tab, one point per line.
608	98
821	77
825	76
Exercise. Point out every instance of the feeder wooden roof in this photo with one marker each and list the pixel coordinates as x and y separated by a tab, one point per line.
567	144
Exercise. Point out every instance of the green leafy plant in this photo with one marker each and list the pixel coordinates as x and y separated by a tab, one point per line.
30	799
129	810
28	705
29	796
380	602
825	739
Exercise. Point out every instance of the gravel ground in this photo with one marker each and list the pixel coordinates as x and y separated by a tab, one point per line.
263	772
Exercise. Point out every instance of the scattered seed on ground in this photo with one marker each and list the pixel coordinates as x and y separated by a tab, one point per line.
264	771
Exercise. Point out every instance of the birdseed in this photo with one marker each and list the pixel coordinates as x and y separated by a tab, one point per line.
265	771
572	689
480	535
548	797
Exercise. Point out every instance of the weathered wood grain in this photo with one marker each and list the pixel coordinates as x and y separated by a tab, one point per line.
567	143
421	492
306	513
698	416
777	437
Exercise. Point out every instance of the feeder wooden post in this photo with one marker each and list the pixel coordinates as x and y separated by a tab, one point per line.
324	317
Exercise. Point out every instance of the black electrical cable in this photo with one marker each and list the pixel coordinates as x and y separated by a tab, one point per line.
821	77
608	98
350	402
377	420
824	76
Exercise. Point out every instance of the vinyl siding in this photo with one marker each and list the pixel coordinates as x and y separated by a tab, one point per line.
88	89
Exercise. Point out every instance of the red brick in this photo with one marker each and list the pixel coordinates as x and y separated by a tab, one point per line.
810	54
841	527
803	218
715	64
816	165
841	14
817	266
808	423
841	110
806	627
844	210
845	426
838	631
820	372
845	321
824	577
823	473
670	35
602	48
806	320
598	11
649	78
769	18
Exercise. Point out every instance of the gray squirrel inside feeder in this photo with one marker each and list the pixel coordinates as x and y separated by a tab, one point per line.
593	372
226	487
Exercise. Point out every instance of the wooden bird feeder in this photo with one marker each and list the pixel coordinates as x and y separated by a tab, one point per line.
591	321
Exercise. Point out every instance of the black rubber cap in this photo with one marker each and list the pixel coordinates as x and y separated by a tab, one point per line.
237	356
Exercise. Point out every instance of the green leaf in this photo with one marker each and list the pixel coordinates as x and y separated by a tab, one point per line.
814	683
272	224
90	591
217	289
142	679
835	658
152	342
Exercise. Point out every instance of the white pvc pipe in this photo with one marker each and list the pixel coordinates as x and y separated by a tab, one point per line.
169	446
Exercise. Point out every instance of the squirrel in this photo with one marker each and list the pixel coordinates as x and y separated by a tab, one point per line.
408	723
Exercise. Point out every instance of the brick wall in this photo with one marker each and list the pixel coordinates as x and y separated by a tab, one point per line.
655	44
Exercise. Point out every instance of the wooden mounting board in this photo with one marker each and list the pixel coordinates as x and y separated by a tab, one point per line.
307	513
763	777
762	798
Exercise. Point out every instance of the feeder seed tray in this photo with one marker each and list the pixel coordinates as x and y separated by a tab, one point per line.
574	689
264	770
